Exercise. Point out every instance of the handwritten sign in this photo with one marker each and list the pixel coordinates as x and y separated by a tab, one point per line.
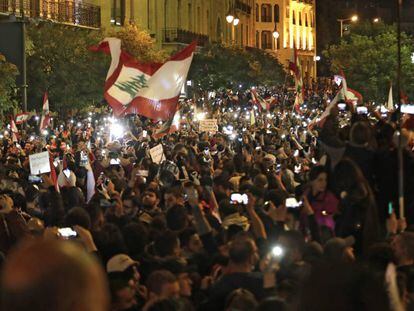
208	125
39	163
157	154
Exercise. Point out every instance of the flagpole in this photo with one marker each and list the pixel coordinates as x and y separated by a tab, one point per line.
400	146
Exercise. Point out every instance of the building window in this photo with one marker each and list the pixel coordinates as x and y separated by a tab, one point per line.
311	19
276	13
278	43
306	20
266	13
198	20
257	39
118	12
257	12
300	18
287	12
266	40
293	18
247	34
241	34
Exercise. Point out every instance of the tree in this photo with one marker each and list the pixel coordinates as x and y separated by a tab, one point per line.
8	73
59	62
218	66
368	57
139	44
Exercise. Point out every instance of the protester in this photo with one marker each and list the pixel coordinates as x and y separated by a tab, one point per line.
263	213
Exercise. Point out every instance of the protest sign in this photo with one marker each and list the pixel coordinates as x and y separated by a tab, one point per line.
39	163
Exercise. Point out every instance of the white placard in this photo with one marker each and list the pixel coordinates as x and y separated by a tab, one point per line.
208	125
39	163
157	154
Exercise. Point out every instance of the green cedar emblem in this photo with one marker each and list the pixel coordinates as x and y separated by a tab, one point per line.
133	86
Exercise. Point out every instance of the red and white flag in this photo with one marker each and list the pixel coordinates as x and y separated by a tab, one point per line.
151	90
169	127
45	120
344	94
14	130
22	117
258	100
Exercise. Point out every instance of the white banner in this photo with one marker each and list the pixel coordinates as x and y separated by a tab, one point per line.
208	125
39	163
157	154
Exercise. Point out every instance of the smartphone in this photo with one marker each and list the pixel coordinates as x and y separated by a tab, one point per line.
144	133
206	151
277	251
33	179
407	109
342	107
115	161
390	208
298	168
362	110
83	159
67	233
56	162
292	203
66	172
238	198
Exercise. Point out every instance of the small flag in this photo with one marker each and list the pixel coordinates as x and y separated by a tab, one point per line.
252	118
151	90
22	117
14	130
258	100
45	120
172	125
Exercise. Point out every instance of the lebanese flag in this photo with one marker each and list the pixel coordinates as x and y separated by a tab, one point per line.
258	100
14	130
169	127
151	90
22	117
45	121
345	94
295	68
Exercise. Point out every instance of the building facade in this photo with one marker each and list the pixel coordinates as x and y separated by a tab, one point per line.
293	23
173	23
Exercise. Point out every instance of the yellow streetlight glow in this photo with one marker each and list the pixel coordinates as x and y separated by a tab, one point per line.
354	18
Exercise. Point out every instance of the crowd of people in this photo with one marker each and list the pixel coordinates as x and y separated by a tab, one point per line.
266	213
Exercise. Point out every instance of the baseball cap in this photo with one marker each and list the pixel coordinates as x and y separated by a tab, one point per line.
119	263
335	246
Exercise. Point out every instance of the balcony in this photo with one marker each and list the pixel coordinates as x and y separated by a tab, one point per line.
66	12
266	18
177	35
243	7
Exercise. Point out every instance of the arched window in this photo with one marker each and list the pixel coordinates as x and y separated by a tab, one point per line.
257	12
266	13
257	39
118	12
293	17
276	13
300	18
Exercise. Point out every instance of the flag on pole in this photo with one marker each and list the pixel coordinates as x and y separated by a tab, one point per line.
14	130
344	94
172	125
295	68
151	90
45	120
22	117
258	100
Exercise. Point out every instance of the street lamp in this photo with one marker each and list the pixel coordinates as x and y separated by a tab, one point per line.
229	17
354	19
376	20
236	20
275	32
